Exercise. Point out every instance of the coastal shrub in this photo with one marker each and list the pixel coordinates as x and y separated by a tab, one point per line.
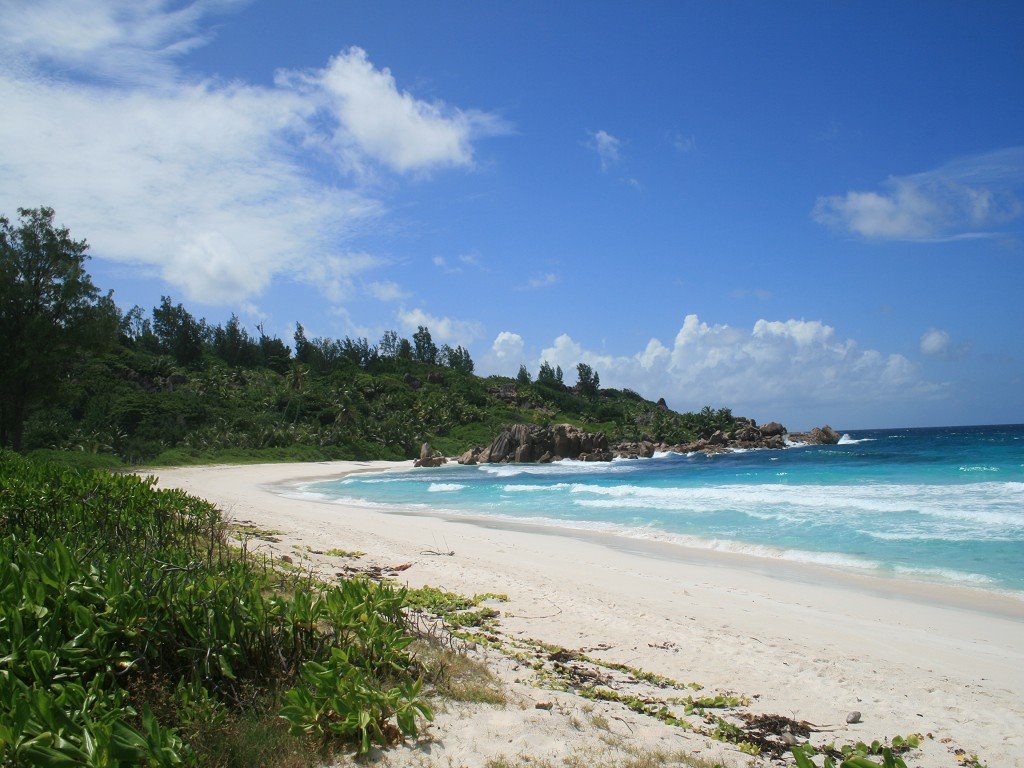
127	623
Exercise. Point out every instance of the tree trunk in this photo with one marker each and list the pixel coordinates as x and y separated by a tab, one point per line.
12	424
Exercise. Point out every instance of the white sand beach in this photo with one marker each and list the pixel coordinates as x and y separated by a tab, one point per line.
806	642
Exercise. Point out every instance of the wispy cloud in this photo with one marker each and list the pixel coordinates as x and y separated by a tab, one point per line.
606	146
683	144
464	260
386	290
210	185
751	293
131	41
969	198
541	281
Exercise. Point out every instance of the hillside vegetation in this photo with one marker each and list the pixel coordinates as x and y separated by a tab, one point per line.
79	374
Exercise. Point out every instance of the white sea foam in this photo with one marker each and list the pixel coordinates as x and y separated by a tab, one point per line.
534	488
616	496
443	487
847	440
940	532
976	506
946	574
979	469
564	467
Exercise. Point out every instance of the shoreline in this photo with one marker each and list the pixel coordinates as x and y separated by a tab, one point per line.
1002	602
813	647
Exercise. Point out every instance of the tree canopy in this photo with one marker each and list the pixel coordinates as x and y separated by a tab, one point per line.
50	312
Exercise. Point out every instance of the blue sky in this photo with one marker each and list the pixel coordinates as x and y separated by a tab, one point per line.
809	212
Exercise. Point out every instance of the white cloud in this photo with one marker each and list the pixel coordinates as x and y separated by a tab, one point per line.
773	368
542	281
606	146
967	198
393	127
125	40
506	354
209	185
683	144
934	342
508	346
386	290
442	329
466	259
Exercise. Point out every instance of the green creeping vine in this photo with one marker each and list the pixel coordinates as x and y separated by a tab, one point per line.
889	760
125	615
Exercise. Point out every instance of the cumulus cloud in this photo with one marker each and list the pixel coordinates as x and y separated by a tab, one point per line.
771	367
508	346
506	354
937	343
934	342
606	146
377	120
968	198
443	329
209	185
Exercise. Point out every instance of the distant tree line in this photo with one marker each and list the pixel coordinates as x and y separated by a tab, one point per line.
77	374
174	331
52	316
587	381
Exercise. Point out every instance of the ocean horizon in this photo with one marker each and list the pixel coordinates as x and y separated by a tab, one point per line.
936	504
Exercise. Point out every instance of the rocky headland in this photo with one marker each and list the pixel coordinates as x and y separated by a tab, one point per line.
533	443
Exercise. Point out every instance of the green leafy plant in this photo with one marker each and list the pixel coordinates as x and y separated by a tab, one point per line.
128	623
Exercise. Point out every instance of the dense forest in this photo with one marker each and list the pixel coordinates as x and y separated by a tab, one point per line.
78	373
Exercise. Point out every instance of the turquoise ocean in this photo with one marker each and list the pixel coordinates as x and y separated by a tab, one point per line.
937	504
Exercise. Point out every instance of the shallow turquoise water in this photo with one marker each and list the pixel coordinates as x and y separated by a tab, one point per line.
944	504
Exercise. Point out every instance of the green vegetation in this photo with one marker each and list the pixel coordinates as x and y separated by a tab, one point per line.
131	633
107	387
852	758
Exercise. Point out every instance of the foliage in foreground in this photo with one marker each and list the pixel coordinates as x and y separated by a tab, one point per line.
130	633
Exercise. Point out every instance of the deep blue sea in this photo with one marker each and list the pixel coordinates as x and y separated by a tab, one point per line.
938	504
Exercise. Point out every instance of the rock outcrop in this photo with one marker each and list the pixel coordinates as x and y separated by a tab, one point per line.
818	436
429	457
523	443
531	443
